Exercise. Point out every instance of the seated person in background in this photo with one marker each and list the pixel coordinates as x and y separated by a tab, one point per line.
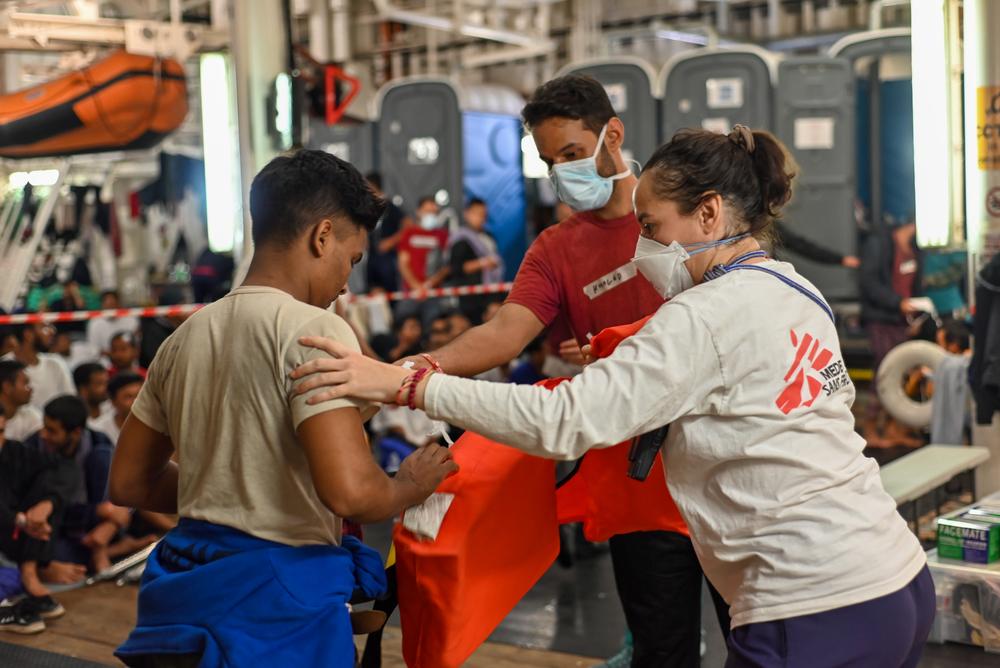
124	355
49	374
458	322
66	434
529	370
122	391
474	259
146	526
100	330
34	490
91	380
439	333
23	419
408	332
8	342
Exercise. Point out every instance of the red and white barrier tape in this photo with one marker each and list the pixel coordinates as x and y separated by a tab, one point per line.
186	309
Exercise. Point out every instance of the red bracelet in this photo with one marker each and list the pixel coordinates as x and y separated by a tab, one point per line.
433	362
411	398
401	392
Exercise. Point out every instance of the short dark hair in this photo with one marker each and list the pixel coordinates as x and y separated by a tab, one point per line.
110	293
83	374
956	332
573	96
19	331
67	410
9	370
426	198
123	380
124	334
375	179
292	192
475	201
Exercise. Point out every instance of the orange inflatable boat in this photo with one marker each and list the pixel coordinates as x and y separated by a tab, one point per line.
121	102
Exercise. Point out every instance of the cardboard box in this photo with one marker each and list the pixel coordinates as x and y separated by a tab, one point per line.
973	536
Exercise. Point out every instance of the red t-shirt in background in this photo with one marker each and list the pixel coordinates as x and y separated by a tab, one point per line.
578	274
419	243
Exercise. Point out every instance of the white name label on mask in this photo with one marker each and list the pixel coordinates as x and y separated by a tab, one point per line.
610	281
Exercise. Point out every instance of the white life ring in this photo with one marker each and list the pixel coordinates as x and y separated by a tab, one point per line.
891	376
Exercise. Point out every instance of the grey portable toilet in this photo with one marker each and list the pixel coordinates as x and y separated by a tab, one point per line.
716	88
633	88
353	141
436	138
419	141
814	117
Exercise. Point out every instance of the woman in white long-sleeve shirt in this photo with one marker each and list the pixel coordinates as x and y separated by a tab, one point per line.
789	519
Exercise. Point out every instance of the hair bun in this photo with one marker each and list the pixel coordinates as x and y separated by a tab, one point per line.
743	136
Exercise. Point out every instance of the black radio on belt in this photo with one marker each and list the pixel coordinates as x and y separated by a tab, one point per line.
642	454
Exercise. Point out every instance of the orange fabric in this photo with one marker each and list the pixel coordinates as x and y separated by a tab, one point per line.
498	538
501	534
122	101
600	494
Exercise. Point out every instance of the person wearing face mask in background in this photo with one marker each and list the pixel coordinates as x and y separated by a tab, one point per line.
421	247
577	277
789	517
417	243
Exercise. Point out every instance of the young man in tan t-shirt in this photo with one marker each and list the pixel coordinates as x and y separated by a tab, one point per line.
260	470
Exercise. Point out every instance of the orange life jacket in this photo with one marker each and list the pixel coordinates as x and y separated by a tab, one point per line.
600	494
498	538
501	534
124	101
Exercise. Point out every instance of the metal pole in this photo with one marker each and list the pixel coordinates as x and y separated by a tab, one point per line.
875	142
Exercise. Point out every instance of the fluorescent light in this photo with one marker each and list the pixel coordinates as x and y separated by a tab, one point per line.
38	177
223	194
283	109
43	177
18	179
931	118
534	168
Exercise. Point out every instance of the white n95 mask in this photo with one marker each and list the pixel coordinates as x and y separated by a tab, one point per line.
663	266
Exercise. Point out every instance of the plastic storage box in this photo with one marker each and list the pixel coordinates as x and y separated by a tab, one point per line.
968	597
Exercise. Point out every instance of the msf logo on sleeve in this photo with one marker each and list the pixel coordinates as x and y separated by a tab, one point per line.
812	371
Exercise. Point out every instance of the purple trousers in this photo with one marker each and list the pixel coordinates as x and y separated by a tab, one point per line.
886	632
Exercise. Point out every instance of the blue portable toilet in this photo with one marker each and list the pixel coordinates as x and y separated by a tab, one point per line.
884	110
438	138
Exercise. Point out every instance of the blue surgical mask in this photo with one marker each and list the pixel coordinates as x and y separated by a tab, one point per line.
429	221
578	183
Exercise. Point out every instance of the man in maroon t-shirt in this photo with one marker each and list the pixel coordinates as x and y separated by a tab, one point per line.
417	243
578	276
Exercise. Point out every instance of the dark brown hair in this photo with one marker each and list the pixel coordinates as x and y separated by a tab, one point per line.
751	171
574	96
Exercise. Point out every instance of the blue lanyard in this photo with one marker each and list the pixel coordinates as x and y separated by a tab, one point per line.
741	263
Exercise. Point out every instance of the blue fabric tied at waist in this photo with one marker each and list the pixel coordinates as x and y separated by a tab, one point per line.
238	600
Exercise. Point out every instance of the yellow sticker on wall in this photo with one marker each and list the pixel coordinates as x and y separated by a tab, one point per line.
988	126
